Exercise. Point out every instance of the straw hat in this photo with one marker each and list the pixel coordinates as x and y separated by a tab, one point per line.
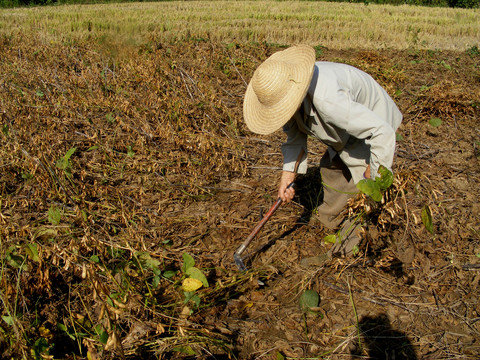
277	89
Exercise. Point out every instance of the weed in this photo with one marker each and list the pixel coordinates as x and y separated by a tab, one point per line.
54	215
445	65
193	279
5	130
473	51
374	189
319	50
435	122
64	163
427	218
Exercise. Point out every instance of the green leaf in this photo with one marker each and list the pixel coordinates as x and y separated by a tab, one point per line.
39	93
147	261
197	274
63	328
110	118
14	259
319	49
435	122
64	162
196	300
61	164
169	274
8	320
69	153
355	250
5	130
308	300
398	137
188	262
46	232
370	188
130	152
188	295
40	348
330	239
185	349
26	176
445	65
32	252
102	334
279	356
385	180
155	281
103	337
54	215
427	218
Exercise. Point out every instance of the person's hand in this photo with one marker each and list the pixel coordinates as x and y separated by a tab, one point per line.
366	174
283	193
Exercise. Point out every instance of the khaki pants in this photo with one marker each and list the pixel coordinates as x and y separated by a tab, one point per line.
338	187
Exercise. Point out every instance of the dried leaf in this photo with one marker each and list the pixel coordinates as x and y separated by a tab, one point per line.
190	284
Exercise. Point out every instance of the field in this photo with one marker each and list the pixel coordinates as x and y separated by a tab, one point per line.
128	180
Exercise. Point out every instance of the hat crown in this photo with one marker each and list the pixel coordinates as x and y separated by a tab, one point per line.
277	89
270	82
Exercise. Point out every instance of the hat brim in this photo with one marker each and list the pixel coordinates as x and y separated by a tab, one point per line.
262	119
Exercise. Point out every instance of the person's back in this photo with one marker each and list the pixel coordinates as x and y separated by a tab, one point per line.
358	85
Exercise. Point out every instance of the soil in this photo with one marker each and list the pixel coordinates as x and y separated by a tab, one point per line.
164	165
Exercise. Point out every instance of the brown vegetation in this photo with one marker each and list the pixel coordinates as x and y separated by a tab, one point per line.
113	167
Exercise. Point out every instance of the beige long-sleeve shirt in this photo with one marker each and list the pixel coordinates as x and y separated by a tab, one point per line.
349	111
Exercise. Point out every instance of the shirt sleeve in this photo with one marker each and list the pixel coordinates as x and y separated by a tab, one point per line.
362	123
296	141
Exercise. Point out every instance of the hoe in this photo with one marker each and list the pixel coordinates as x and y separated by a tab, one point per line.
237	256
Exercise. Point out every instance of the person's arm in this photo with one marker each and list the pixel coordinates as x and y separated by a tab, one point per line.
295	144
286	179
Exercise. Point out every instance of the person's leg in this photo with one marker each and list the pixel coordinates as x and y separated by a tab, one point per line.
338	188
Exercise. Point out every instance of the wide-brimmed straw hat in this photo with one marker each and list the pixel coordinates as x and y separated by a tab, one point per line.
277	89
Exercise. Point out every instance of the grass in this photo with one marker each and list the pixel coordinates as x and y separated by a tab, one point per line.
334	25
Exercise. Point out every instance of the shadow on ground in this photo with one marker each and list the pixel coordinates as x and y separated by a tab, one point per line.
379	341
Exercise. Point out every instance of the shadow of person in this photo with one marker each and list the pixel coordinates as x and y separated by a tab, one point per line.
378	341
309	192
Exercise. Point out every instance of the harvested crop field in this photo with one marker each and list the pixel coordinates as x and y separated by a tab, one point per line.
117	172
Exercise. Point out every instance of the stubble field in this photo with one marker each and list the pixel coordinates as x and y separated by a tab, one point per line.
125	168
